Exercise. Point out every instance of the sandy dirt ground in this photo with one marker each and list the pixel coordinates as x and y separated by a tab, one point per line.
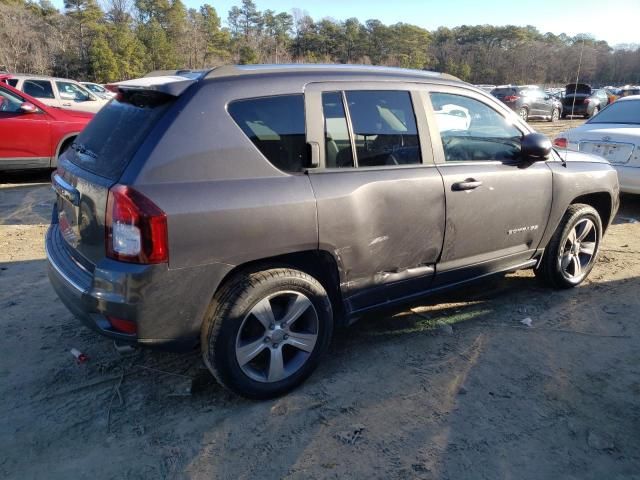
454	388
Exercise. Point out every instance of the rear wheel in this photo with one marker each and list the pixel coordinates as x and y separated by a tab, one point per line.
555	115
524	113
573	249
265	332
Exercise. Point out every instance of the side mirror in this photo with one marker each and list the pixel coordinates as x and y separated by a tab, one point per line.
535	147
28	107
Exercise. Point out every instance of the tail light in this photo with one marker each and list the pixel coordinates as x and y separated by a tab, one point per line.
135	228
511	98
586	101
560	142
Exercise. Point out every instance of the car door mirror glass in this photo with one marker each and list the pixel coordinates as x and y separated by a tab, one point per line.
535	147
28	107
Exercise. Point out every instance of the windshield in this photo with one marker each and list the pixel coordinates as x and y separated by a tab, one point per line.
619	112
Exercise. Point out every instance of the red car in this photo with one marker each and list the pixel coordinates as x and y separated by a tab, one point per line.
33	135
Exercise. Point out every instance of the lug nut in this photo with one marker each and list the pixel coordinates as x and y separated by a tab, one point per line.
272	326
286	337
267	339
275	345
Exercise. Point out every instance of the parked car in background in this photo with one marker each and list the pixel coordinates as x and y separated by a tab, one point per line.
529	101
99	90
615	135
32	134
613	93
486	88
250	209
58	92
628	90
581	99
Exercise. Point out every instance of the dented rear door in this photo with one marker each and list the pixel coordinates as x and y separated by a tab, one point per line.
382	215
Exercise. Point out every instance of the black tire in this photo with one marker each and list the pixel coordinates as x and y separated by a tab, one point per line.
65	146
555	115
227	312
523	112
564	116
549	271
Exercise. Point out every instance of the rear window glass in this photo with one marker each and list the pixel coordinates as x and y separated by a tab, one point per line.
620	112
276	126
110	140
503	91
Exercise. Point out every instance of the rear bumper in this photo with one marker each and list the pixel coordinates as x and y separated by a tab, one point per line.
167	306
629	178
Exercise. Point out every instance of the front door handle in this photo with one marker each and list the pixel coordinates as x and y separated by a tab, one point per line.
66	104
468	184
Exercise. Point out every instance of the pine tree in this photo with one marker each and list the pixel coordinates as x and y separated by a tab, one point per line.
104	67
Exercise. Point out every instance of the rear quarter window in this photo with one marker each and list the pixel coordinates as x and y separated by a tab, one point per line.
276	126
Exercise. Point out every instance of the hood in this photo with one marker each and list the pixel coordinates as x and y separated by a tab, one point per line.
579	88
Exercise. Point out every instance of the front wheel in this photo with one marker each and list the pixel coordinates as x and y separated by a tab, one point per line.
524	113
573	249
555	115
265	332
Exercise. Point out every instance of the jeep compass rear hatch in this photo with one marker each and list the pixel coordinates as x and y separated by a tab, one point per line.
87	175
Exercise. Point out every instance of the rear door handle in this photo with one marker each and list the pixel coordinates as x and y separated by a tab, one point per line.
468	184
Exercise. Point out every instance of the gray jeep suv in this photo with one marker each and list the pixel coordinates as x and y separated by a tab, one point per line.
250	209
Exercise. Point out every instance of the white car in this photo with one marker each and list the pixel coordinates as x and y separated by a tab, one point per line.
98	89
58	92
614	134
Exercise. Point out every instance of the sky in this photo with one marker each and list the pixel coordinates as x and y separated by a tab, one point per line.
616	21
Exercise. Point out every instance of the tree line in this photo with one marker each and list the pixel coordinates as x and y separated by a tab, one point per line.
127	38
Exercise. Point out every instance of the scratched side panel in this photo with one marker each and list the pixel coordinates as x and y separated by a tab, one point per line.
382	225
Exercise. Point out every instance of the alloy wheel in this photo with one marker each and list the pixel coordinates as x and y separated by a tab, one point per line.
579	249
277	336
524	114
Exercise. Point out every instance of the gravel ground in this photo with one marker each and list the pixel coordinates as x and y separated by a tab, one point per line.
454	388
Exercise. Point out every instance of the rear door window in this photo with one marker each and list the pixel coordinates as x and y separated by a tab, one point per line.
384	127
276	126
337	141
38	88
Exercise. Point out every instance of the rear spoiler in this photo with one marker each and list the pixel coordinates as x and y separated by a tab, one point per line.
173	85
